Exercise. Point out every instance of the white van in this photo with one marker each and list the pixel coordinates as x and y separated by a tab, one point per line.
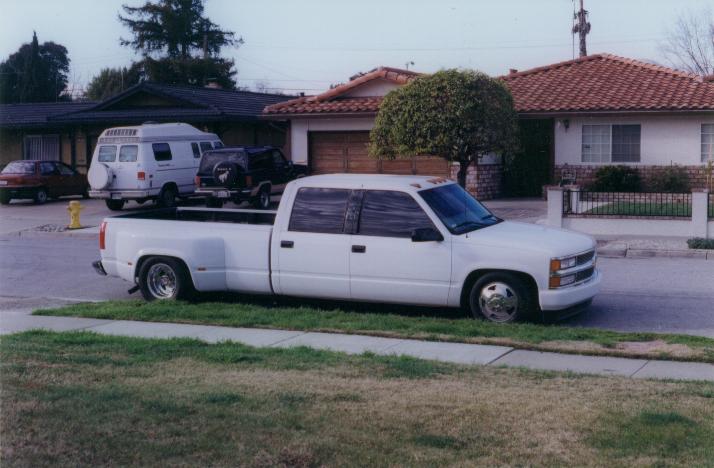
147	162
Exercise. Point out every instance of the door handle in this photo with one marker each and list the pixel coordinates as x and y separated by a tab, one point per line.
359	248
287	244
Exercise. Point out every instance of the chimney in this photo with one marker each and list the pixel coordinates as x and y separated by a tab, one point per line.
511	71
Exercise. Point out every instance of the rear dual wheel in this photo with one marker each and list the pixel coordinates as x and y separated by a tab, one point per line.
164	278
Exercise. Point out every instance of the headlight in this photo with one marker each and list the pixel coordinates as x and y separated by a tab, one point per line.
560	281
562	263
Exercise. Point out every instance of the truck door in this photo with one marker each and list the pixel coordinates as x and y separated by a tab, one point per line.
385	264
313	251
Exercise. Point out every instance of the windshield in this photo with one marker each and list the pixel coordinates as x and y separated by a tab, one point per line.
19	167
457	209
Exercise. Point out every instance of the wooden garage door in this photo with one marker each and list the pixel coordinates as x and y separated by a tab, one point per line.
332	152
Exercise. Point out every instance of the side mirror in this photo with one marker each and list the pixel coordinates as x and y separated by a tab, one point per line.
426	235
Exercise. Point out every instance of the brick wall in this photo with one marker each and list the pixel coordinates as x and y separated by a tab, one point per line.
483	181
586	174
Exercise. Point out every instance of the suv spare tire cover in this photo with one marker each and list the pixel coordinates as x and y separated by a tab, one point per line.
226	173
99	176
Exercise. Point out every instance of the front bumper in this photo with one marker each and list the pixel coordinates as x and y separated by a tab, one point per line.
120	194
564	298
99	268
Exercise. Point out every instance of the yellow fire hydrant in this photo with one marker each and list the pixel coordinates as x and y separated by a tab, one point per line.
74	209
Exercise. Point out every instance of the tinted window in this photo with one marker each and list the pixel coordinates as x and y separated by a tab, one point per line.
217	144
107	153
391	214
278	159
65	170
48	168
162	151
319	210
210	159
19	167
128	153
196	151
206	146
457	209
260	161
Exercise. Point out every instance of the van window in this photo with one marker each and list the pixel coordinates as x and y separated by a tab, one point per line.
107	153
206	145
162	151
196	151
127	153
217	144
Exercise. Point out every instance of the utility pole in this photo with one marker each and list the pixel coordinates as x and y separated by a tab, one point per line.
582	27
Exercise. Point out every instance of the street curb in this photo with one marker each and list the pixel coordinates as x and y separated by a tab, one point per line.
33	234
627	252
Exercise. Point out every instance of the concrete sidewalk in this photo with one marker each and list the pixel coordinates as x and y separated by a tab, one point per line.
645	247
459	353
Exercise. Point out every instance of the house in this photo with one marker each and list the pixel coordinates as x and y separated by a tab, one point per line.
579	114
68	131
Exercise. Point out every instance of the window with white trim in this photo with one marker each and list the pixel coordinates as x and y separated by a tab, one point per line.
611	143
707	142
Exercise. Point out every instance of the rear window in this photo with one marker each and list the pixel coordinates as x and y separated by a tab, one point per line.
107	153
19	167
210	159
128	153
162	151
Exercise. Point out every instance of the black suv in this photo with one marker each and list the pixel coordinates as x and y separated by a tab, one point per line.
244	173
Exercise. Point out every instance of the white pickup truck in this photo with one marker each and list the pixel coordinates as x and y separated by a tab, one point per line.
381	238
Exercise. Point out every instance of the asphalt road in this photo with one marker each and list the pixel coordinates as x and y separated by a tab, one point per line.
655	294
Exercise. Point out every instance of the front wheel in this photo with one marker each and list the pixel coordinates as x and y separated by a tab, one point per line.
115	205
164	278
5	198
502	298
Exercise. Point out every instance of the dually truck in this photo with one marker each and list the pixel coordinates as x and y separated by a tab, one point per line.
381	238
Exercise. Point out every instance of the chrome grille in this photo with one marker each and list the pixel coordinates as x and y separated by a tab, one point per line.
585	274
584	258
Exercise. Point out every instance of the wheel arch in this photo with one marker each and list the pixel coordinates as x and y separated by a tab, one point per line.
475	275
146	256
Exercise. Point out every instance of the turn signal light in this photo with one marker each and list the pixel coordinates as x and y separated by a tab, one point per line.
248	181
141	175
102	235
197	181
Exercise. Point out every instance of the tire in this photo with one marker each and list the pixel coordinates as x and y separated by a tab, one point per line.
115	205
502	297
41	196
262	200
5	199
213	202
167	197
164	278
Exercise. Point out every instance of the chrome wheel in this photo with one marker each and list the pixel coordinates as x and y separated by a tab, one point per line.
41	196
161	281
265	199
498	302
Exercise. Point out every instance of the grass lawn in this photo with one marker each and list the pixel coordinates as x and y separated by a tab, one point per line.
397	321
86	399
643	209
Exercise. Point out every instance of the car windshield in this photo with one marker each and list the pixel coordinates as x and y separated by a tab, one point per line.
457	209
19	167
211	158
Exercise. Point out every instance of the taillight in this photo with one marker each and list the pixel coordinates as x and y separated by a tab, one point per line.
248	181
197	180
141	175
102	235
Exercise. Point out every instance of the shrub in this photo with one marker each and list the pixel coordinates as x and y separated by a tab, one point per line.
616	179
700	243
670	179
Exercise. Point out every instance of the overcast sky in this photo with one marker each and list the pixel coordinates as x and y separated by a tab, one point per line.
309	44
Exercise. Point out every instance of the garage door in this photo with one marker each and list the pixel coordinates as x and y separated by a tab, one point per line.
332	152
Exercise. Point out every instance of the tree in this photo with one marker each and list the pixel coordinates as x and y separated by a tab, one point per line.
35	73
111	81
179	44
457	115
690	43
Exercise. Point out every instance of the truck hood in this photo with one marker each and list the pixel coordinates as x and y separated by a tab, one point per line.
525	236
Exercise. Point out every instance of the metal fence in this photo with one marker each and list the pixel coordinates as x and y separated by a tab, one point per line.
626	204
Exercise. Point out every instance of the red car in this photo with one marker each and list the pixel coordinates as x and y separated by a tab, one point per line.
40	180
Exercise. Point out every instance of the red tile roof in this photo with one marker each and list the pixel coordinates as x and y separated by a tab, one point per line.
331	102
596	83
604	82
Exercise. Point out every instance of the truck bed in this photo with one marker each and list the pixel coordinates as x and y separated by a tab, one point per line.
209	215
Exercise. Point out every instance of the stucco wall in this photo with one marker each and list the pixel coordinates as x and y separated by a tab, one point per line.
664	140
299	129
